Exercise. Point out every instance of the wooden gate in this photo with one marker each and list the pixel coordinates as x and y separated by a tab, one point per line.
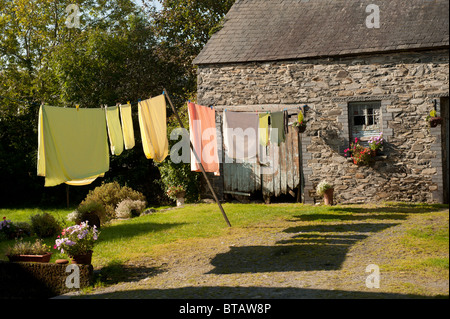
277	170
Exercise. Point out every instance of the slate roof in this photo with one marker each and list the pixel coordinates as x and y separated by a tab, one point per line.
269	30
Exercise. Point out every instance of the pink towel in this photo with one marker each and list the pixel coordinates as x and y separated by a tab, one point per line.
203	135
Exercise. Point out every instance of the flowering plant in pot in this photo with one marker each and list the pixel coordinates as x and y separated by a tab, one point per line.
177	193
376	143
433	119
77	242
300	124
24	251
326	190
360	155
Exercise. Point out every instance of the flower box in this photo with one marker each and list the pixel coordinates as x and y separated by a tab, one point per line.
30	258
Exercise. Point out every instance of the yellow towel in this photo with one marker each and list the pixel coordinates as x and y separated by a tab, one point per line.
72	145
264	129
114	130
152	122
127	126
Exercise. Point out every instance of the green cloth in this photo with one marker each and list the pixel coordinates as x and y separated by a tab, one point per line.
72	145
264	129
114	130
277	122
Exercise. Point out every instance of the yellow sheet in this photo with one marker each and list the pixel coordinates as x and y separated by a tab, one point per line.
114	130
153	126
264	129
127	126
72	146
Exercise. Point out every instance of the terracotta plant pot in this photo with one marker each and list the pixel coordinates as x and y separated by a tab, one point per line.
30	258
328	197
84	259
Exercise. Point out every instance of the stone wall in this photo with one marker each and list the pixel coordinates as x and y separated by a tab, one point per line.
24	280
405	83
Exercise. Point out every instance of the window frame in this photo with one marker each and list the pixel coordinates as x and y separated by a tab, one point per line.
371	114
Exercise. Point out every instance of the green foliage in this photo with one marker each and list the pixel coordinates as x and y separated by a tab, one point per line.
118	54
110	195
45	225
87	209
179	174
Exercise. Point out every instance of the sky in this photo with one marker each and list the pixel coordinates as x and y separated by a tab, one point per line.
155	2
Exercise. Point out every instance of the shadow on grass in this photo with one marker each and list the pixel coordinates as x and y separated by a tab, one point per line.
312	248
211	292
127	230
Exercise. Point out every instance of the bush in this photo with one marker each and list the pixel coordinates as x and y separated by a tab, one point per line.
91	211
180	175
45	225
127	207
109	195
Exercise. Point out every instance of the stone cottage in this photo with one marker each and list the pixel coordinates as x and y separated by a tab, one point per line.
361	67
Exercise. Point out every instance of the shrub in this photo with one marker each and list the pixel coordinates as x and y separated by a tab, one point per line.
127	207
91	211
109	195
45	225
180	174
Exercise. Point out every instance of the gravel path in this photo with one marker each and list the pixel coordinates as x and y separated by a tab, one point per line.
287	259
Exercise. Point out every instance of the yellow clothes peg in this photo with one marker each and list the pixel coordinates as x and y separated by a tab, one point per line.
77	106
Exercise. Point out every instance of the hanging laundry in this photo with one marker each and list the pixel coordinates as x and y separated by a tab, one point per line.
240	134
203	136
72	145
264	129
127	126
114	130
278	123
152	122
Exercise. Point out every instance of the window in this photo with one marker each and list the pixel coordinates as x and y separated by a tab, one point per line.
364	120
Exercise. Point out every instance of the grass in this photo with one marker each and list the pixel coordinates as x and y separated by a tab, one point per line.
422	248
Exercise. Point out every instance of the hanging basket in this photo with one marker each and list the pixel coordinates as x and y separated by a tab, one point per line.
435	121
300	128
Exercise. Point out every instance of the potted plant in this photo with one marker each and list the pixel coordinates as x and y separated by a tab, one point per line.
376	143
300	124
326	190
23	251
177	193
433	119
77	242
360	155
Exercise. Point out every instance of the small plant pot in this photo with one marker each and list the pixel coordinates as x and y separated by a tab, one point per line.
328	197
180	198
84	259
435	121
30	258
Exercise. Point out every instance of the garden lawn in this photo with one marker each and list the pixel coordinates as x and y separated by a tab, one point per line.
410	242
136	238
